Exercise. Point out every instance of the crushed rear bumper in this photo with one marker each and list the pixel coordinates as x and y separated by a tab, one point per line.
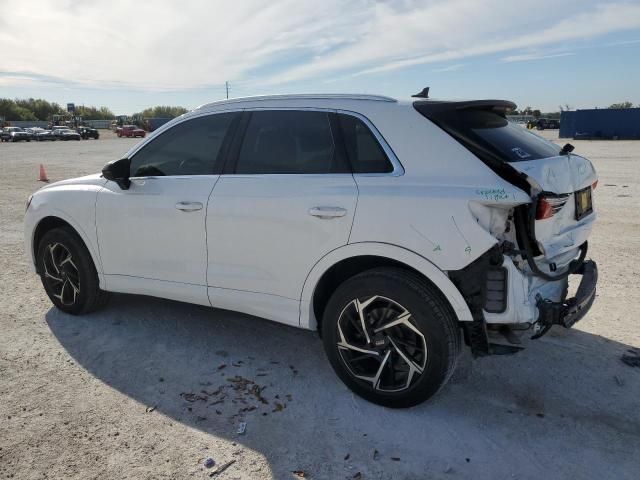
571	310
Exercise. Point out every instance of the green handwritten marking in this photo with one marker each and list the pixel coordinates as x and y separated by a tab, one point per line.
437	249
494	194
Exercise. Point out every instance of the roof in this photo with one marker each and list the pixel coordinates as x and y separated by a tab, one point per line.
303	96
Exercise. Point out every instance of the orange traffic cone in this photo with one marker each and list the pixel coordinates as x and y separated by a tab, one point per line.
43	175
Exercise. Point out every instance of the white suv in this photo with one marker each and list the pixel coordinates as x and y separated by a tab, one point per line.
396	229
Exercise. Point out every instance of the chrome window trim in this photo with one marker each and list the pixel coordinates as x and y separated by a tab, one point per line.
398	169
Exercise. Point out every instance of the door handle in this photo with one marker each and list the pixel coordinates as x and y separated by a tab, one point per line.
189	206
328	212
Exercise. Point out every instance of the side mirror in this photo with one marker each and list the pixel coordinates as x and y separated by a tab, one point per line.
118	171
568	148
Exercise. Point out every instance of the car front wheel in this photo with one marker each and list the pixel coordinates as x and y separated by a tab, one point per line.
391	337
67	272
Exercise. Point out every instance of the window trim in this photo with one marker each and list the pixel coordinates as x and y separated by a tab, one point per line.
218	163
227	164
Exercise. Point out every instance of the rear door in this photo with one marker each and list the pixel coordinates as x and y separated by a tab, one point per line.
286	200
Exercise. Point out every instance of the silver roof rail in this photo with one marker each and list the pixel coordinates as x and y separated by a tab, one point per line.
300	96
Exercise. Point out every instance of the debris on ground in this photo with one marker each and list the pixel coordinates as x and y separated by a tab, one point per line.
632	358
395	459
376	455
209	462
346	457
619	381
222	468
150	409
279	407
299	473
242	427
358	476
192	397
256	391
220	367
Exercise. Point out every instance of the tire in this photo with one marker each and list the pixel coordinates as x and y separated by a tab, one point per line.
386	295
71	284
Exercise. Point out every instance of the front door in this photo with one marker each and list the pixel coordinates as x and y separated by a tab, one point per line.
152	236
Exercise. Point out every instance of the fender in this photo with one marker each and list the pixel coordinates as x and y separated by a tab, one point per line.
38	210
393	252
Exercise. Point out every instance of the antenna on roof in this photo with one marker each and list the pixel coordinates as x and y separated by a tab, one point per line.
423	94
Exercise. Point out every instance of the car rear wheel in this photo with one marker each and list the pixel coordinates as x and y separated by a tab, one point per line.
391	337
67	272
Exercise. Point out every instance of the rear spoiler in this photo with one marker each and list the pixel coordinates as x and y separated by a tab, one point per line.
430	107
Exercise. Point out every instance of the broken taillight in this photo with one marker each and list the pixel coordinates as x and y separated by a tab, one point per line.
548	206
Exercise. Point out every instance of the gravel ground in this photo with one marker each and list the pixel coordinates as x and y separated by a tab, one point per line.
149	388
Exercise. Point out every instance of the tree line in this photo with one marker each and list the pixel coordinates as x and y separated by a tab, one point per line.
40	109
561	108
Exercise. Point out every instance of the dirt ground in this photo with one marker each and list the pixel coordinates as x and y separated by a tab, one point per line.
139	390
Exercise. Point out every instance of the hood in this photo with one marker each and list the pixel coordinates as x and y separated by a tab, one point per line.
94	179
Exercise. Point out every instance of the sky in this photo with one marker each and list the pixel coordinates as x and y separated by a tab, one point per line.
129	55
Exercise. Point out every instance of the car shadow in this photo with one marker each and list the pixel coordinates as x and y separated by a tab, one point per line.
565	405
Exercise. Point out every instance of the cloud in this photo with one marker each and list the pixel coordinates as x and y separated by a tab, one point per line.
450	68
460	29
524	57
199	44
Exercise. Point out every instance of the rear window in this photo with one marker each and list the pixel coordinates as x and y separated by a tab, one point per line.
484	129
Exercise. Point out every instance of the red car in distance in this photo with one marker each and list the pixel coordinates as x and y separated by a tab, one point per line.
130	131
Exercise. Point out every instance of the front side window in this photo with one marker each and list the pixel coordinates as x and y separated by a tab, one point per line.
364	152
289	142
189	148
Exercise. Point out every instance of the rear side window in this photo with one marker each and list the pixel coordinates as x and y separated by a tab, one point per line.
480	129
288	141
189	148
364	152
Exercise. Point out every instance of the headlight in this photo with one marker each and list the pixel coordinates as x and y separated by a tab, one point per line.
28	203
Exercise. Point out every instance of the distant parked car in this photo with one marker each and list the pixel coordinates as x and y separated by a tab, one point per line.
44	135
66	134
14	134
88	132
130	131
547	124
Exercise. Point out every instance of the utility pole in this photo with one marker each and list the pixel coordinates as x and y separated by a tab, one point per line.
226	84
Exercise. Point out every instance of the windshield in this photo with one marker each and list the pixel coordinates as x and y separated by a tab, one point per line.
485	130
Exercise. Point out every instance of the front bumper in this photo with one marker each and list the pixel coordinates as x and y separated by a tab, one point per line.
571	310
